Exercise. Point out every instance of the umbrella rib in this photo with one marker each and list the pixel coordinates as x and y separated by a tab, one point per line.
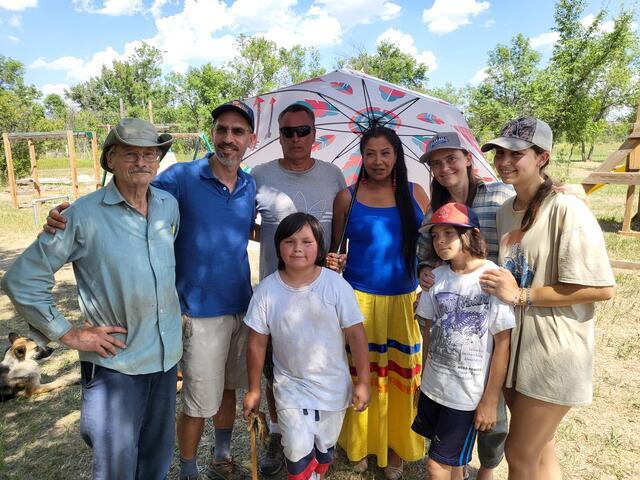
346	148
396	114
368	105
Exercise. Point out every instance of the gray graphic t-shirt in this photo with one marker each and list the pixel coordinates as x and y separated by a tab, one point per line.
464	320
282	192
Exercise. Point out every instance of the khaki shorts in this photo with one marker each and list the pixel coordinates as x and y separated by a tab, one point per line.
213	360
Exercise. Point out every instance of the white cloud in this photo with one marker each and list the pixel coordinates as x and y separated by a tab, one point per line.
15	21
13	39
79	70
110	7
17	5
156	7
353	12
57	88
544	39
406	43
304	30
479	76
445	16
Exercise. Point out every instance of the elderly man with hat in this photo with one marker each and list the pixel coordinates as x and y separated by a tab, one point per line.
217	208
120	240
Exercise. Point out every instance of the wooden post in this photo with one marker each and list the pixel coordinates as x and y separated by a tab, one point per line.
34	167
96	161
10	172
628	208
73	165
121	108
150	112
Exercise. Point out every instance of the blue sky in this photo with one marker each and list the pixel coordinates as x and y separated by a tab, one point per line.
66	42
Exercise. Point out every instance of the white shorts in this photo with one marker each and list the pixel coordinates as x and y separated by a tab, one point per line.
302	433
213	360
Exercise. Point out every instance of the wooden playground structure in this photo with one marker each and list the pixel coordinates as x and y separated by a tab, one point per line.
30	137
70	137
622	167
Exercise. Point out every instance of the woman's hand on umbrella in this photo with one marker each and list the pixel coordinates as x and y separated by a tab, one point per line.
500	283
336	261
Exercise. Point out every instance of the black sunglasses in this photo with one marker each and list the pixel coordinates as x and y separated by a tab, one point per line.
301	131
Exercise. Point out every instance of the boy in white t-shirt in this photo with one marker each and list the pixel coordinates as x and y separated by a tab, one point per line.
309	311
466	340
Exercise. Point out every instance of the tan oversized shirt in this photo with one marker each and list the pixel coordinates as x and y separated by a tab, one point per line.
552	348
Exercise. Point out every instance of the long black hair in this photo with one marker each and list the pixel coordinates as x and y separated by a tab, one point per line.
404	202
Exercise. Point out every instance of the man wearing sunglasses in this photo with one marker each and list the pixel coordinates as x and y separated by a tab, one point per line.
296	182
217	210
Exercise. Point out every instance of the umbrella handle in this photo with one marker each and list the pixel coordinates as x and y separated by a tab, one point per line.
346	222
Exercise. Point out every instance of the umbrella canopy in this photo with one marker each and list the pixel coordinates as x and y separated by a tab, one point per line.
345	104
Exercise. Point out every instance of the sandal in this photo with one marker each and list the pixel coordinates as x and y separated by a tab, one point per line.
393	473
361	466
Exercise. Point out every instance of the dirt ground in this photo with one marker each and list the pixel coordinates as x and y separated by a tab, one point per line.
39	437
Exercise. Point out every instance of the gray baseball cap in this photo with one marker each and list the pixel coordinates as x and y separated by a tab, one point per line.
441	141
522	133
136	133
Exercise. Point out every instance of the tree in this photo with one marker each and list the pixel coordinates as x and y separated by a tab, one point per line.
595	72
261	66
19	111
389	63
135	80
515	85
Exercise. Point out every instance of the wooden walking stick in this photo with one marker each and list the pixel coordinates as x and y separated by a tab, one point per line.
258	430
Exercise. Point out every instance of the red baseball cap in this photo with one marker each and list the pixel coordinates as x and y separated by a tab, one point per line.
456	214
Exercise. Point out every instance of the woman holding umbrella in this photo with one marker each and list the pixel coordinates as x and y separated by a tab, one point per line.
380	216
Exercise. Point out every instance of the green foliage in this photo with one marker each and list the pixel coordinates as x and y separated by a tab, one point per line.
455	96
595	71
391	64
515	85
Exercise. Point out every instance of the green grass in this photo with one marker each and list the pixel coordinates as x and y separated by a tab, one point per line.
594	443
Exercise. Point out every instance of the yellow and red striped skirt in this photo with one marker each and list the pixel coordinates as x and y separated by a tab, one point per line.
395	362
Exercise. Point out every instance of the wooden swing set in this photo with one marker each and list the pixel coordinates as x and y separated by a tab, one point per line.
68	135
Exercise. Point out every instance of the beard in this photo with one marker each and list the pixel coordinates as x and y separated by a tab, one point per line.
227	161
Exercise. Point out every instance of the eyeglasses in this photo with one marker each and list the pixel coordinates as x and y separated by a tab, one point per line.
235	131
148	157
448	161
300	130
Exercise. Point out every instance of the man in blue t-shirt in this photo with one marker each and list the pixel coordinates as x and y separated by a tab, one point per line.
217	209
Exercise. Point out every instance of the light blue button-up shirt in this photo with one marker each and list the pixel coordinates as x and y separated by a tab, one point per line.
124	266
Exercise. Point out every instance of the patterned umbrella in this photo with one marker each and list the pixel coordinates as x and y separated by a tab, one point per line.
345	104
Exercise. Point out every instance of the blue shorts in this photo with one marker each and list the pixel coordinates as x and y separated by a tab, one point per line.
451	431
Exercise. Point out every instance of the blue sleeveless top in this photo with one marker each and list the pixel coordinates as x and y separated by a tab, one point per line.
375	263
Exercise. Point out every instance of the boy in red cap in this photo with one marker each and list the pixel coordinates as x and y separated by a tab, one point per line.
466	339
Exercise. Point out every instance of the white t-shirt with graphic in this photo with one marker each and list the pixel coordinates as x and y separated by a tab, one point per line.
309	357
464	320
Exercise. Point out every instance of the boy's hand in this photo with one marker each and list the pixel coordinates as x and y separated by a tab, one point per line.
251	403
426	278
336	261
361	396
486	415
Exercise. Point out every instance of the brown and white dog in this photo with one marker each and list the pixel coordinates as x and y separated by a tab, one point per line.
20	372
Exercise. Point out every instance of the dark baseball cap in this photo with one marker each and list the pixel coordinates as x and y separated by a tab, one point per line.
236	106
456	214
522	133
136	133
441	141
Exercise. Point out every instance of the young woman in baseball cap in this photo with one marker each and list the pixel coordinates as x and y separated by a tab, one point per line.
556	267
